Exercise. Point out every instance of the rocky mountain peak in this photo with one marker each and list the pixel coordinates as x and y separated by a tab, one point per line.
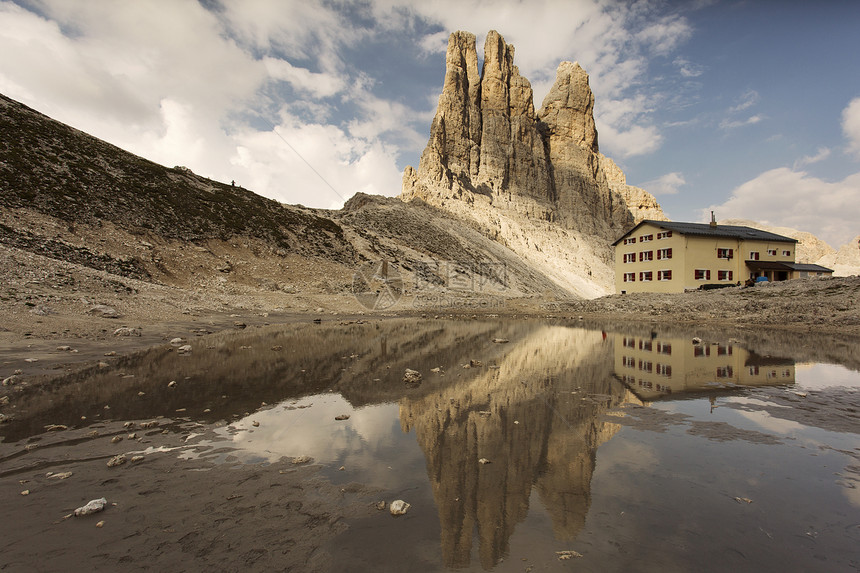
492	159
568	108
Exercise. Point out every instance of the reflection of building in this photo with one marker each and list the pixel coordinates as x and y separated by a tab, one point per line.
653	367
664	256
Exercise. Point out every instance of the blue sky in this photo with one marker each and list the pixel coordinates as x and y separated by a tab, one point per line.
749	108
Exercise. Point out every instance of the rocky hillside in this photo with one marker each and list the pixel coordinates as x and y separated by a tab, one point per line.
70	201
533	180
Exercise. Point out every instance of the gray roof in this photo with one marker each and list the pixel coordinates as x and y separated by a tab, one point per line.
808	267
706	230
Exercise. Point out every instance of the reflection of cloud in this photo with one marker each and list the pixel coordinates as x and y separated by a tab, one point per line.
824	376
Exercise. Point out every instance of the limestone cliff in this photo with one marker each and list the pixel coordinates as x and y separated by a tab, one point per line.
642	205
534	181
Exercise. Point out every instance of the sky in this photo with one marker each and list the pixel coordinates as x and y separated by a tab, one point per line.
749	108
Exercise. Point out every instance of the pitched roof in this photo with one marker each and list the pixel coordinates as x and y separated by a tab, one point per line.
707	230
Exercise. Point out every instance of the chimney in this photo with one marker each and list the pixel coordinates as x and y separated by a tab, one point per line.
713	221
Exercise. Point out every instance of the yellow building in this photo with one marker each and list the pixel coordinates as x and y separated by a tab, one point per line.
653	368
664	256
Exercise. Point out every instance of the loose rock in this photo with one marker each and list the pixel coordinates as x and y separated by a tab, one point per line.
116	461
398	507
104	311
126	331
412	378
93	506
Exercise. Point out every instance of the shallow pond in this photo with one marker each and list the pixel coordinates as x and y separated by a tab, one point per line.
630	447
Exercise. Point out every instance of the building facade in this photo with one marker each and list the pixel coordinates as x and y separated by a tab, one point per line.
664	256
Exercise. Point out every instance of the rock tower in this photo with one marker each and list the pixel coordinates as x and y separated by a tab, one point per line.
534	181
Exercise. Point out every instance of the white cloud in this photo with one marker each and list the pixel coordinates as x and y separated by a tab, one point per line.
822	154
687	68
790	198
851	125
667	184
747	100
317	84
313	164
734	124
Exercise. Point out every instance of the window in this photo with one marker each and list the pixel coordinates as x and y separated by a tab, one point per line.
771	252
630	241
646	256
628	362
646	366
753	370
702	274
700	350
724	275
664	275
725	253
724	350
664	348
753	255
786	253
725	372
664	235
646	238
664	370
645	345
630	277
664	254
629	342
629	257
646	276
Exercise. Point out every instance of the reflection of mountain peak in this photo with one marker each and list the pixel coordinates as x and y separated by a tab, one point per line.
534	419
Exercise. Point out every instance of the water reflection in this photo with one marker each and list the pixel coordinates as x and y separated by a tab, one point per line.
656	366
554	428
534	419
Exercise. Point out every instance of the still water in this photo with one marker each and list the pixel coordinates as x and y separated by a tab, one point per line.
634	448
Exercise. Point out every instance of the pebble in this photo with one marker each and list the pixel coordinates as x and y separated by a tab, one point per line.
342	417
411	378
116	461
116	439
398	507
94	506
126	331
